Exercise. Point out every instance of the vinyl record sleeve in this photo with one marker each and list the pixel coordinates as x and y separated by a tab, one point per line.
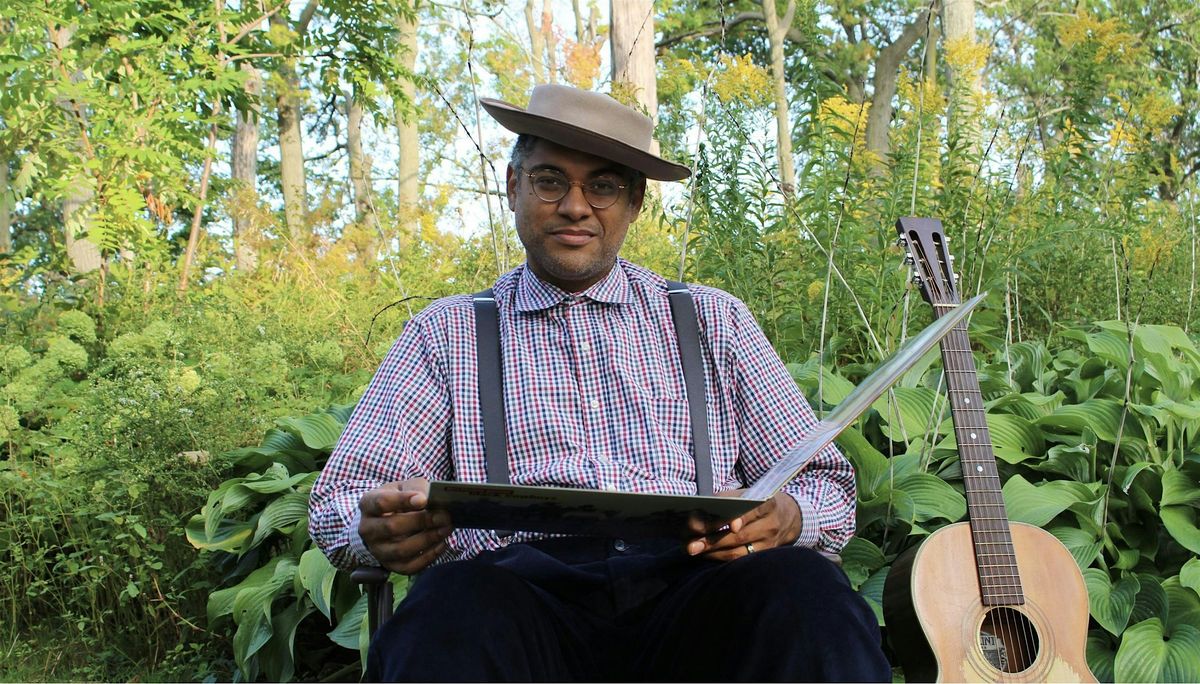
579	511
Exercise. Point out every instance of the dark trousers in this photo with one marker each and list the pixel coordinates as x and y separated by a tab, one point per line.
592	609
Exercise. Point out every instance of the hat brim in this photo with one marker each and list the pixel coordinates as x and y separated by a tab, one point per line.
522	122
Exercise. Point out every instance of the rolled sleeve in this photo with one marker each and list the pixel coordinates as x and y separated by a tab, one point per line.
398	430
773	417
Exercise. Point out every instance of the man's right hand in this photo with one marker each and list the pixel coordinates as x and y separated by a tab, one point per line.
398	531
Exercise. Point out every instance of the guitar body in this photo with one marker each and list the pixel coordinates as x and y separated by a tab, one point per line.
935	615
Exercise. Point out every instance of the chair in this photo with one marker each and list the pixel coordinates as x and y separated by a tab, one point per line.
379	594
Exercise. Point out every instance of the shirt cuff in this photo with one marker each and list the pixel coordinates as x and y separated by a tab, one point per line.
358	549
810	527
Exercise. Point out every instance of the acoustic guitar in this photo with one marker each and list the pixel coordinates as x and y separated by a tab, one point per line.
985	600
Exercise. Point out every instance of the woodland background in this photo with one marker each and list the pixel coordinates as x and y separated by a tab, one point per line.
215	217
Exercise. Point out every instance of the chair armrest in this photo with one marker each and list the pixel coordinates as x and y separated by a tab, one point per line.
379	594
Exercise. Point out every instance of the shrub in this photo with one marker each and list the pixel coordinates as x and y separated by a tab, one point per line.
280	589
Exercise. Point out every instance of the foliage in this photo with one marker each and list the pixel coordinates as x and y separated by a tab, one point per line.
112	426
1095	438
258	522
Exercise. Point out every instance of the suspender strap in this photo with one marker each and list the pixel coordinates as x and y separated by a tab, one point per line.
491	384
687	331
491	387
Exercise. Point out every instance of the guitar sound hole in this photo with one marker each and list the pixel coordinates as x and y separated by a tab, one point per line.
1008	639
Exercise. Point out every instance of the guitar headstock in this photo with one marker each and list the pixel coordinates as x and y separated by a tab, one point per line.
930	258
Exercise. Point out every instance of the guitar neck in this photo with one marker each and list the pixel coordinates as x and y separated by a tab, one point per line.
995	560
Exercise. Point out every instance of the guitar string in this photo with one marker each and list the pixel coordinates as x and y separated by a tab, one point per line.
988	487
997	585
1007	627
951	350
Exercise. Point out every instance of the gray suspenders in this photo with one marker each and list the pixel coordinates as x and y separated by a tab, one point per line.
491	384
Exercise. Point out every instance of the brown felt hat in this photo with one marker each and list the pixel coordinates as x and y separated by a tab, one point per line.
588	122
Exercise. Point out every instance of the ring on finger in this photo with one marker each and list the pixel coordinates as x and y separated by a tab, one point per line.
749	549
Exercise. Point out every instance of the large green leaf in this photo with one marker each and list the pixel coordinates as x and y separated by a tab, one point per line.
1179	489
281	515
1074	462
1028	361
1110	604
1084	546
860	558
1100	655
252	611
319	431
872	592
910	414
1189	575
1149	654
1028	405
1151	600
1183	605
1037	505
278	656
891	505
1014	439
351	630
1103	416
932	497
316	575
1180	522
870	466
1110	344
229	535
813	378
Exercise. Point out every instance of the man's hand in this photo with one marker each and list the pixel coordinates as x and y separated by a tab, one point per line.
398	531
777	522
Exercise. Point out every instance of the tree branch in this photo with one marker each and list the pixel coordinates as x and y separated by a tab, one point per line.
249	26
306	16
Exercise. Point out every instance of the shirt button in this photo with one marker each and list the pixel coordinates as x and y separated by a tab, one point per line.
584	346
619	545
611	488
595	403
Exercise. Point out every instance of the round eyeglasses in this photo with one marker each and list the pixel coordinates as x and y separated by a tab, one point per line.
551	186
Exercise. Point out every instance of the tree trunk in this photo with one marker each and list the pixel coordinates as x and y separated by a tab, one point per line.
578	20
550	41
958	20
6	206
83	254
633	60
537	43
777	28
360	178
245	170
887	65
291	144
409	158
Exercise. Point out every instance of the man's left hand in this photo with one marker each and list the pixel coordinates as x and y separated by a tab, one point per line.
777	522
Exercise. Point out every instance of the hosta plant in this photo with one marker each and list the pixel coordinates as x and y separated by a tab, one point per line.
282	592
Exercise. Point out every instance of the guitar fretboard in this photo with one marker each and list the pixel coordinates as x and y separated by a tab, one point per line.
995	559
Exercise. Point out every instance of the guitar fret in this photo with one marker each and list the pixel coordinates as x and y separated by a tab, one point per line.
991	536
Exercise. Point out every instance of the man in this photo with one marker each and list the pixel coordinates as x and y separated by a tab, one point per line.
594	397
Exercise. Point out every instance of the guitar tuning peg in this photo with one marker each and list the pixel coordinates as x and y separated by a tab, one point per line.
909	260
901	241
916	280
946	239
951	258
957	278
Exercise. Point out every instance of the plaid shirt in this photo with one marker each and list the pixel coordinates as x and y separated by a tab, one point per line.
595	399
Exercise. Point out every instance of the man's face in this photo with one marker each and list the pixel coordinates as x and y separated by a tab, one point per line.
570	243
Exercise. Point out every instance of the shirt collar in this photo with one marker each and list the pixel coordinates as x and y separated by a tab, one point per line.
535	294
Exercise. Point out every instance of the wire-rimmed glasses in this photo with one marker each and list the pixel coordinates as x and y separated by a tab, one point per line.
551	186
